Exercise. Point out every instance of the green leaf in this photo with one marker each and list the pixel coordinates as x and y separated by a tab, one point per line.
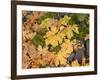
42	31
45	23
56	49
38	40
47	15
51	14
78	18
81	17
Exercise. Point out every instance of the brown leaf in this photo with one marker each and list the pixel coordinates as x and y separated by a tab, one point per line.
36	27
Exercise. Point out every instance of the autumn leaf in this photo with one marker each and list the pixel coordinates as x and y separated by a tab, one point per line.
60	36
64	20
51	38
69	33
67	46
75	28
66	49
70	30
45	23
60	58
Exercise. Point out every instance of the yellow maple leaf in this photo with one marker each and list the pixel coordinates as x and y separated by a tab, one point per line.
60	36
69	33
75	28
67	46
51	38
60	58
70	29
45	23
66	49
64	20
